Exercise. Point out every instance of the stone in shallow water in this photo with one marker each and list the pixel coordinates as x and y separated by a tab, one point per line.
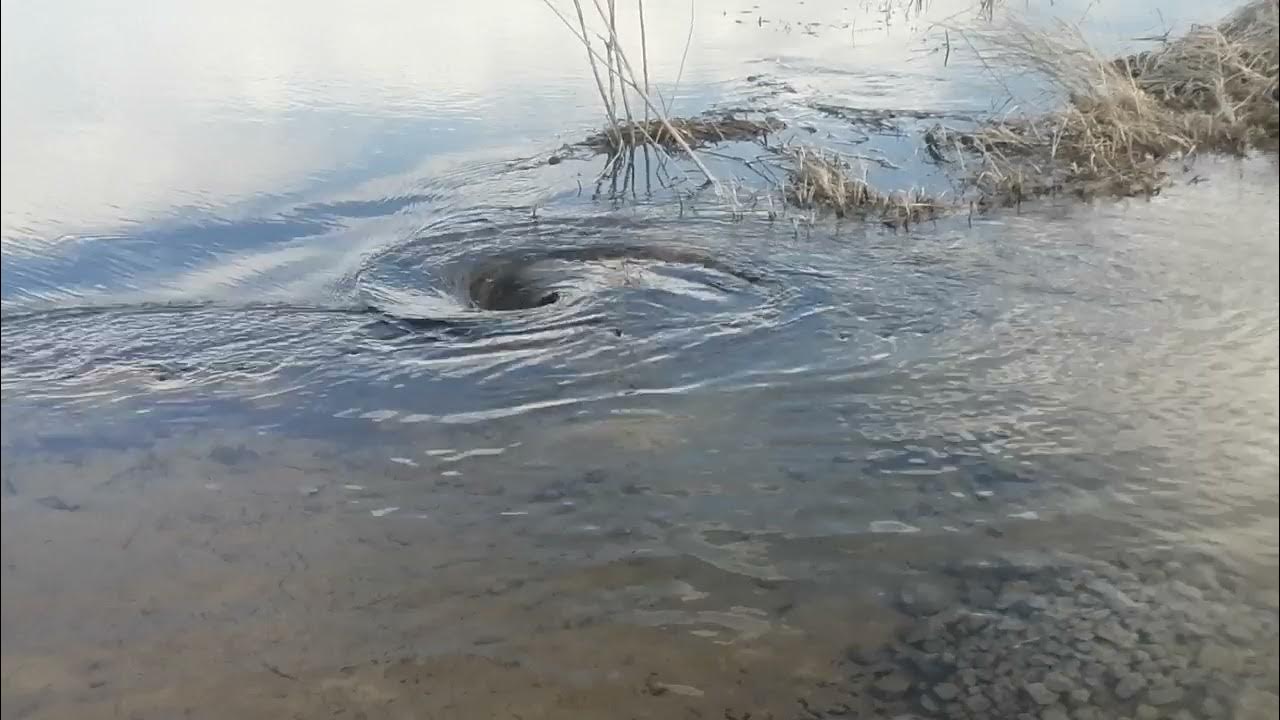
946	691
862	654
1186	591
1040	693
1129	686
931	667
893	685
1213	708
978	705
924	597
1057	682
1113	633
981	596
1080	696
1164	694
1055	712
1146	712
1240	632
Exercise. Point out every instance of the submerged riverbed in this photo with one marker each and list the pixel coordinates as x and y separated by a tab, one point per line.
325	393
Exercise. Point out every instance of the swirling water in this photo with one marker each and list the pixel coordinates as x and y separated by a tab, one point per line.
312	363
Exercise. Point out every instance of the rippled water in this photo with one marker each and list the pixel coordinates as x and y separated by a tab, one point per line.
323	386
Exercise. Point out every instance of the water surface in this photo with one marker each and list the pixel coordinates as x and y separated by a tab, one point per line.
324	392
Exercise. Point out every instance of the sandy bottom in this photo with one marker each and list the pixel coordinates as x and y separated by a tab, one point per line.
254	579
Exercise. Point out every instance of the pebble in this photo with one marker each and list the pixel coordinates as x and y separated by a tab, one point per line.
930	667
981	596
1056	639
862	654
1239	632
1057	682
1080	696
1187	591
1212	707
1129	685
1202	576
1055	712
946	691
1040	693
1113	633
1164	694
924	597
893	685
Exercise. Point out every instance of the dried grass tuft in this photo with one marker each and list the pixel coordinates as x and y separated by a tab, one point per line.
1212	90
696	132
825	181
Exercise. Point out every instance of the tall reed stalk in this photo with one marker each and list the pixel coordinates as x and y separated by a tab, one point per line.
619	69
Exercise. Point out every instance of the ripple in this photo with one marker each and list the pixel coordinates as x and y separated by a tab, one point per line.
579	265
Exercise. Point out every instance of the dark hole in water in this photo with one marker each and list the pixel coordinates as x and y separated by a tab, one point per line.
521	283
507	290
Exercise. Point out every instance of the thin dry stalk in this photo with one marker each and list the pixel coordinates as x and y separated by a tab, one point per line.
684	55
630	80
644	56
610	115
616	55
611	45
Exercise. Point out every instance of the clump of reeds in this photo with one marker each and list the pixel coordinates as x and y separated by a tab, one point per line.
825	181
695	132
624	83
1227	75
1212	90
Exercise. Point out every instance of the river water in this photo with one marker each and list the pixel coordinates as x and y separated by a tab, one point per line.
325	393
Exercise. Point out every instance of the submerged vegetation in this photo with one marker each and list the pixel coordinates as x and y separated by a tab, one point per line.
1122	122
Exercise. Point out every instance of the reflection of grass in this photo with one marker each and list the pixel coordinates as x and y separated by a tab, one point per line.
1211	90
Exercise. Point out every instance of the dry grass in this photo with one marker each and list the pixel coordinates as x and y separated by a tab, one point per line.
1211	90
695	132
825	181
1225	74
622	76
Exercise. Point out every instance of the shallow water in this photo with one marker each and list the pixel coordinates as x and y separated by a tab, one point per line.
325	393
